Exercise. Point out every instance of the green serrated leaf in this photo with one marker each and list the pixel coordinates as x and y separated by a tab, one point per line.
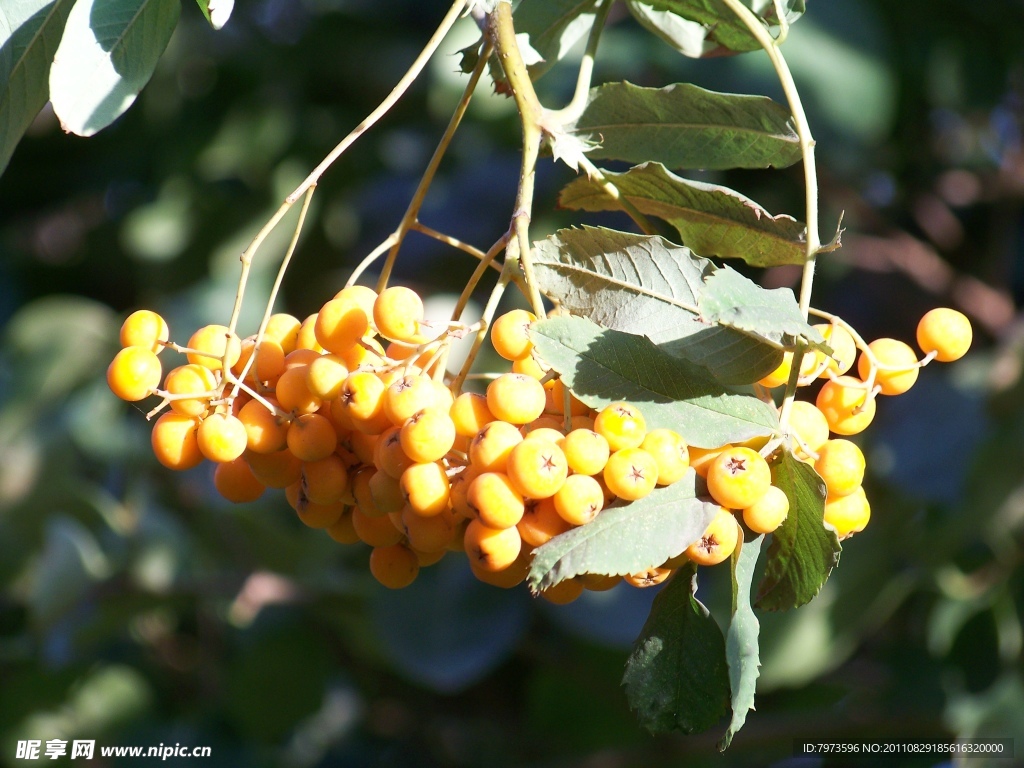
648	286
803	552
711	220
684	126
741	641
723	31
217	12
106	56
602	366
773	315
30	31
676	677
626	539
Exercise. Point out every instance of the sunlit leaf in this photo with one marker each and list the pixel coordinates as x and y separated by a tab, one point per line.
627	539
30	31
217	12
741	641
684	126
108	53
803	552
676	679
602	366
711	220
679	22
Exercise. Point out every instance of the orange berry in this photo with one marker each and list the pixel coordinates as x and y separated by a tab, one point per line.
898	368
946	332
470	414
428	435
767	513
491	549
284	329
221	437
738	477
717	542
510	334
311	437
541	522
342	530
492	445
426	488
848	514
648	577
844	350
275	470
579	499
585	451
212	344
144	328
134	373
407	395
265	432
670	452
235	481
780	375
395	566
841	465
190	379
293	393
174	441
631	473
325	376
537	468
340	324
846	406
563	593
325	481
375	531
428	534
398	312
622	425
809	424
515	398
495	500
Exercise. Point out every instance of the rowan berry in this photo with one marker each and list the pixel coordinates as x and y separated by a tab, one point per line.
293	393
515	398
809	424
738	477
495	500
284	329
388	454
265	431
510	334
648	577
397	313
407	395
541	522
215	347
221	437
946	332
375	531
386	492
275	470
491	549
492	445
190	379
563	593
780	375
325	481
537	468
844	350
767	513
144	328
841	465
174	441
670	452
897	366
325	376
718	541
631	473
342	530
428	534
134	373
311	437
585	451
579	499
845	403
428	435
394	566
622	425
235	481
426	488
848	514
340	324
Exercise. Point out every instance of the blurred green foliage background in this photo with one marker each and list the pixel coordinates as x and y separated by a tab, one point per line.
138	608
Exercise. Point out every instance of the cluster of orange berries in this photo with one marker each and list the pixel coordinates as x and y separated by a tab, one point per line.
369	443
845	404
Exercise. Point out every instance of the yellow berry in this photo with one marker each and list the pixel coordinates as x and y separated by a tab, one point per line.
397	313
515	398
426	488
495	500
492	445
144	328
212	343
767	513
134	373
897	369
631	473
537	468
717	542
585	451
848	514
846	406
395	566
622	425
428	435
174	441
841	465
670	452
946	332
491	549
222	437
738	477
510	334
579	499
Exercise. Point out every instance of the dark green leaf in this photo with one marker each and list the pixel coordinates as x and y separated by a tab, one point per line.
741	641
108	53
627	539
602	366
647	285
803	552
30	31
216	12
683	126
732	300
676	677
723	31
711	220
